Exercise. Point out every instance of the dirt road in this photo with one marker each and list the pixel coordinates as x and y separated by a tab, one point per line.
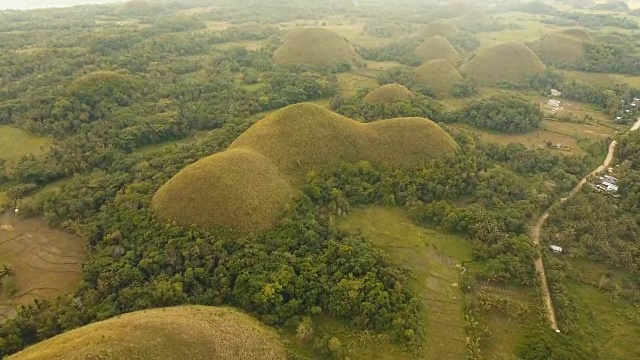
537	230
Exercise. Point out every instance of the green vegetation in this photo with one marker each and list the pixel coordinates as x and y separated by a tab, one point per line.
439	28
439	75
388	94
505	63
316	47
16	143
437	47
277	152
178	332
509	114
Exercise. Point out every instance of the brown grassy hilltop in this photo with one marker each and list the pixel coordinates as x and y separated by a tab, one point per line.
316	46
438	28
565	46
510	62
185	332
437	47
440	75
389	93
248	186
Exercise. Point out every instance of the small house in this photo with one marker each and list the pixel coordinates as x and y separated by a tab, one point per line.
556	249
611	179
553	103
555	92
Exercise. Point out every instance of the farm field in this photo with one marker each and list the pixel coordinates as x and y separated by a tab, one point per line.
432	257
351	83
16	143
45	261
604	78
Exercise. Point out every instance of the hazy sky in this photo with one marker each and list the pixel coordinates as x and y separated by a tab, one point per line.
32	4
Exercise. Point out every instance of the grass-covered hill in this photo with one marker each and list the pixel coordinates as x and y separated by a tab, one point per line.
563	47
439	28
186	332
248	186
438	74
389	93
316	46
437	47
510	62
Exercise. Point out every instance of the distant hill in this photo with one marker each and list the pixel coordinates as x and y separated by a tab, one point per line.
563	47
389	93
437	47
248	186
316	46
511	62
35	4
438	74
185	332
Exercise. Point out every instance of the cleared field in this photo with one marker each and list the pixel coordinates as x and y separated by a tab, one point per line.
45	261
382	65
149	149
531	30
432	257
185	332
351	83
16	143
610	329
606	79
532	139
579	131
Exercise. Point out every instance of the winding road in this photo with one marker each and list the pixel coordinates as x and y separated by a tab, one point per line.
537	229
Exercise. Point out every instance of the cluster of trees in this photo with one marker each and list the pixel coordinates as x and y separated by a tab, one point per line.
504	113
569	18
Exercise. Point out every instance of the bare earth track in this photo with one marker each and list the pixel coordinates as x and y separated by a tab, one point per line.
537	230
45	261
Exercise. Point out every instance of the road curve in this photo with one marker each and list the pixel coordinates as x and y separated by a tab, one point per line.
537	230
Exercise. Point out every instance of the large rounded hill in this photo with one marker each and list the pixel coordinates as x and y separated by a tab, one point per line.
439	28
389	93
511	62
186	332
438	74
247	187
316	46
437	47
563	47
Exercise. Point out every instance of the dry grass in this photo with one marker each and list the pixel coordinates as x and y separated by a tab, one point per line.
316	46
247	186
579	34
45	261
439	28
437	47
511	62
558	49
177	333
440	75
389	93
606	79
16	143
382	65
351	83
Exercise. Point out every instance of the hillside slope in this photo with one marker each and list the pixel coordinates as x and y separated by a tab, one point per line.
248	186
510	62
437	47
185	332
316	46
389	93
440	75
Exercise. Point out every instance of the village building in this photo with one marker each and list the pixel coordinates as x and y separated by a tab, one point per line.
556	249
553	103
555	92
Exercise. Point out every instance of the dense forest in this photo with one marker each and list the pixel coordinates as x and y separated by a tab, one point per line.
129	94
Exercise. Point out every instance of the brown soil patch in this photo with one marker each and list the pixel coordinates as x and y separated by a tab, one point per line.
45	261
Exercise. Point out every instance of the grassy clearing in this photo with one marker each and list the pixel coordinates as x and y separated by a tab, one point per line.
150	149
186	332
350	30
532	30
432	257
351	83
609	328
606	79
16	143
45	261
3	201
382	65
247	186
